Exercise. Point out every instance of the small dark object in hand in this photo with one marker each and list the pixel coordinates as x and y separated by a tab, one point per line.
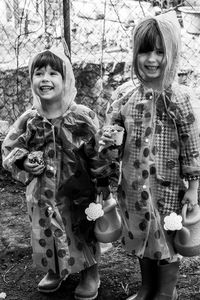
36	157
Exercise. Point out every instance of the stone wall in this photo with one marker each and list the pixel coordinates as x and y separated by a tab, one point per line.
94	83
92	90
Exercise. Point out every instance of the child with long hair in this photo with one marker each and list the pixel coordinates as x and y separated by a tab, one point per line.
160	157
50	149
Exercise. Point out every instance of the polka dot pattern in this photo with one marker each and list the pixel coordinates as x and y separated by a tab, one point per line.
71	261
146	152
158	255
126	214
64	272
61	253
152	170
135	185
190	118
48	194
158	129
44	262
58	233
147	179
130	234
136	164
154	150
144	195
49	174
147	115
147	216
148	131
48	232
42	222
174	144
145	174
52	234
185	137
137	206
49	253
41	203
143	225
42	242
138	142
13	136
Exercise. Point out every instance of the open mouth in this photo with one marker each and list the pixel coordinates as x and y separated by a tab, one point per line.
151	68
46	88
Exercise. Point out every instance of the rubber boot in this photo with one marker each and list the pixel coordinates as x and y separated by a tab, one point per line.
87	288
167	279
50	283
149	274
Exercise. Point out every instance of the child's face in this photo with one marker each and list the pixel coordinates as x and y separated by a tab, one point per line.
47	84
151	64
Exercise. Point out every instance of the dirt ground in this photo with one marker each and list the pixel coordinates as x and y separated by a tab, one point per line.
120	274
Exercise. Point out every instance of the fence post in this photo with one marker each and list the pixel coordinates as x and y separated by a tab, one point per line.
66	19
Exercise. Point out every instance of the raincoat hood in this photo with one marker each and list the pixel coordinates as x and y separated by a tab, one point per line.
69	92
170	33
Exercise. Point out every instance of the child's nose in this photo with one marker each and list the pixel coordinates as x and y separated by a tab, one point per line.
45	77
152	55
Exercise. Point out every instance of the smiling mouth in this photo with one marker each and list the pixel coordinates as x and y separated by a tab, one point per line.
46	88
151	68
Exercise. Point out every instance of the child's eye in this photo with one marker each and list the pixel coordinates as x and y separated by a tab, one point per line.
53	73
38	73
160	51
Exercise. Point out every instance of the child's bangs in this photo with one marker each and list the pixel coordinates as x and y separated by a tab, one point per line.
147	37
47	58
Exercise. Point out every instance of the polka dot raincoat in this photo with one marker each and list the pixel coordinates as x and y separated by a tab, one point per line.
62	238
161	151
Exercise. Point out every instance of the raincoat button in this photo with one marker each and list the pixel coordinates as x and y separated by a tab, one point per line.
49	173
149	95
51	153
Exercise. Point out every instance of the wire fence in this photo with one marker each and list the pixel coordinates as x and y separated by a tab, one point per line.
100	34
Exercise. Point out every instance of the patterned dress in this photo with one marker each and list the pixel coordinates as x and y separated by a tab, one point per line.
161	151
60	234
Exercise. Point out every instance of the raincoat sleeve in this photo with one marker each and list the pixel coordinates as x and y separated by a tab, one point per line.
115	117
188	132
119	99
100	168
15	150
105	165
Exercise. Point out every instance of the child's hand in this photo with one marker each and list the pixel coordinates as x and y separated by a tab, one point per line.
112	135
33	168
191	198
105	141
105	191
